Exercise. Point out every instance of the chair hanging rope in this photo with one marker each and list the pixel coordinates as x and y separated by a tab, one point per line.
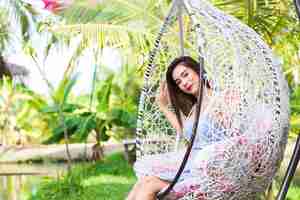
180	24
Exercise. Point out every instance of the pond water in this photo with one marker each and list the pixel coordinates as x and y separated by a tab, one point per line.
18	181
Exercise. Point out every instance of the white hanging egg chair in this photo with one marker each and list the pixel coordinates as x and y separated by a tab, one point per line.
237	153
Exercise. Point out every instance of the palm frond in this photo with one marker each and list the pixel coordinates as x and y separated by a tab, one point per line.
4	34
108	34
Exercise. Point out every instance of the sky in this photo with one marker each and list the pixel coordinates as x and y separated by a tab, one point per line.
57	61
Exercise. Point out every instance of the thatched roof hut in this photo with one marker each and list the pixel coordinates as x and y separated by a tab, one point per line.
11	69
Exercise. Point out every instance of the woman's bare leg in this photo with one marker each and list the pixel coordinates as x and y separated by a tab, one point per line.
149	187
146	188
134	190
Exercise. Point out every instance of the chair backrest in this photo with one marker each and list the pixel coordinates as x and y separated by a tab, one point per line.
249	95
239	65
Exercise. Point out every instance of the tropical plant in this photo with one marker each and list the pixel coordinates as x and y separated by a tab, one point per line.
18	114
276	21
111	23
81	120
295	111
130	25
127	25
57	107
20	14
266	17
7	94
31	120
4	34
103	119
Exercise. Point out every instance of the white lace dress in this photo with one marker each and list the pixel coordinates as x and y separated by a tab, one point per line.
166	165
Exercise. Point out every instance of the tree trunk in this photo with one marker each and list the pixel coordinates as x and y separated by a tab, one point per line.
97	152
97	149
66	137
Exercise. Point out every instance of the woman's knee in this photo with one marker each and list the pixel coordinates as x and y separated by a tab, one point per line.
135	189
152	184
147	179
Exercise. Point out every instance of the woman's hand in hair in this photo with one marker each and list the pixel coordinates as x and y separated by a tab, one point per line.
162	98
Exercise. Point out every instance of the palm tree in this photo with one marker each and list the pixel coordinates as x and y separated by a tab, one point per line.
131	25
276	21
266	17
128	25
4	34
117	24
20	14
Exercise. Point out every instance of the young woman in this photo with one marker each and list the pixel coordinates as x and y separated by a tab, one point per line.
181	90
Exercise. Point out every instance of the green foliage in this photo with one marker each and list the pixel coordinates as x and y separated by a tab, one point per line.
48	109
23	15
60	96
87	124
4	34
19	116
276	21
129	25
70	124
103	95
110	179
295	101
59	110
124	24
80	120
124	118
30	119
75	13
295	111
293	193
69	187
108	22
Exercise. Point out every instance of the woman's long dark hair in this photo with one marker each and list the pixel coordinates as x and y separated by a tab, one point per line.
181	101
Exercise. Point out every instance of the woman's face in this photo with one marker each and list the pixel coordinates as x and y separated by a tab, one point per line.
186	79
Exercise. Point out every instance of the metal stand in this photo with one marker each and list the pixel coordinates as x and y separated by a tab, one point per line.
290	171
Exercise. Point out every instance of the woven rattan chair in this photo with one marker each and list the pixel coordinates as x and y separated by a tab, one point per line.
249	100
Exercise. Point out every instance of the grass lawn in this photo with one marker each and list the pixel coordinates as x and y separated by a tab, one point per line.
293	193
107	180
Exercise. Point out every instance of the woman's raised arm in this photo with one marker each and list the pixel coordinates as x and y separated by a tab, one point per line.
163	101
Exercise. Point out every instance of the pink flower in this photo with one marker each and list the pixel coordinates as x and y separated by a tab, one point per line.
56	5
